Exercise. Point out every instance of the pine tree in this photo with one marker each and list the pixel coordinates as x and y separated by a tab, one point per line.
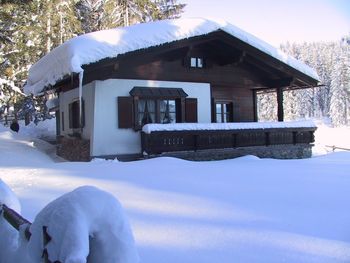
331	61
105	14
169	9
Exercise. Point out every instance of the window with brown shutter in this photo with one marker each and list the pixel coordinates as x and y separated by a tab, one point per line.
125	112
191	112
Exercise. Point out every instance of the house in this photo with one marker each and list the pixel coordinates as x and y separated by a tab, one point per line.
115	83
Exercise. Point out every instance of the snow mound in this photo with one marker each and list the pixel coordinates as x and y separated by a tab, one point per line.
46	128
85	223
92	47
8	197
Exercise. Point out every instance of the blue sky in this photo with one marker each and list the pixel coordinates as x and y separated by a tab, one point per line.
278	21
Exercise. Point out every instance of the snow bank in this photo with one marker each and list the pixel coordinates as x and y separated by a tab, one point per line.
92	47
8	197
84	215
46	128
148	128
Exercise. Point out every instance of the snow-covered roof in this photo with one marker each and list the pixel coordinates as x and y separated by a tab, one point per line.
92	47
148	128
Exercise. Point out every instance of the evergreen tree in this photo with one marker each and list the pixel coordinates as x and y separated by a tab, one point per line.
169	9
267	106
105	14
331	61
30	29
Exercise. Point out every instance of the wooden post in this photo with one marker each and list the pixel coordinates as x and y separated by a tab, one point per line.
255	106
15	219
280	110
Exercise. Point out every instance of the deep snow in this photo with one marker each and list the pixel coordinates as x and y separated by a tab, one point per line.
241	210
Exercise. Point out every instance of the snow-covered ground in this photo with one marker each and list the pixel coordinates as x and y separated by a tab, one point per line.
241	210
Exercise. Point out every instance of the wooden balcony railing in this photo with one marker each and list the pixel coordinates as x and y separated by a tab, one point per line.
158	142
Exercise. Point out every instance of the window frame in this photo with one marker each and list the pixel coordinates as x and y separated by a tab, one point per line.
157	113
196	62
224	115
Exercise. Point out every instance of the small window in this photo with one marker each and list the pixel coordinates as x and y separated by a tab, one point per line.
223	112
197	62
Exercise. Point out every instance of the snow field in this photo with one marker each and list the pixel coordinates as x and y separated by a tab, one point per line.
243	210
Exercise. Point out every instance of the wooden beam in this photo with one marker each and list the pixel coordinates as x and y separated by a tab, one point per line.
282	82
255	105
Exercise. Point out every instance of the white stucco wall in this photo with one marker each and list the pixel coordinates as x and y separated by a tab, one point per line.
107	138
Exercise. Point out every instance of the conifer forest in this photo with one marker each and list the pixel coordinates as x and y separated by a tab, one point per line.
30	29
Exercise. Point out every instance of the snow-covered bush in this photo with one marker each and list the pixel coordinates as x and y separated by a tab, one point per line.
85	225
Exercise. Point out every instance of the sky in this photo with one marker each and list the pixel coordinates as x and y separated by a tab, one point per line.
278	21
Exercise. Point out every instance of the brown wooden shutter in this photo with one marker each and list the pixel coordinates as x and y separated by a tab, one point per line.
230	106
125	112
191	112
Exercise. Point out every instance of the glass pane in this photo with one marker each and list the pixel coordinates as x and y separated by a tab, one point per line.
226	108
218	108
151	105
139	121
146	112
172	106
193	62
141	105
226	118
162	105
172	117
218	118
199	62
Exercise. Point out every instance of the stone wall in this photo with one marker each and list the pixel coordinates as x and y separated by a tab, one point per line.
73	149
289	151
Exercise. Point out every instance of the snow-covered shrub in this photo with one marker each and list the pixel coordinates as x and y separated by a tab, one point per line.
85	225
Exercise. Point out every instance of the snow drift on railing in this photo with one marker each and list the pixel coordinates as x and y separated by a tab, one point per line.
148	128
86	222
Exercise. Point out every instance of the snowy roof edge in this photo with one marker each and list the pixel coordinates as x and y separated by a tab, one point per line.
92	47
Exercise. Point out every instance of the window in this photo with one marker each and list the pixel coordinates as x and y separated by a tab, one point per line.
155	105
196	62
156	111
74	109
223	112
